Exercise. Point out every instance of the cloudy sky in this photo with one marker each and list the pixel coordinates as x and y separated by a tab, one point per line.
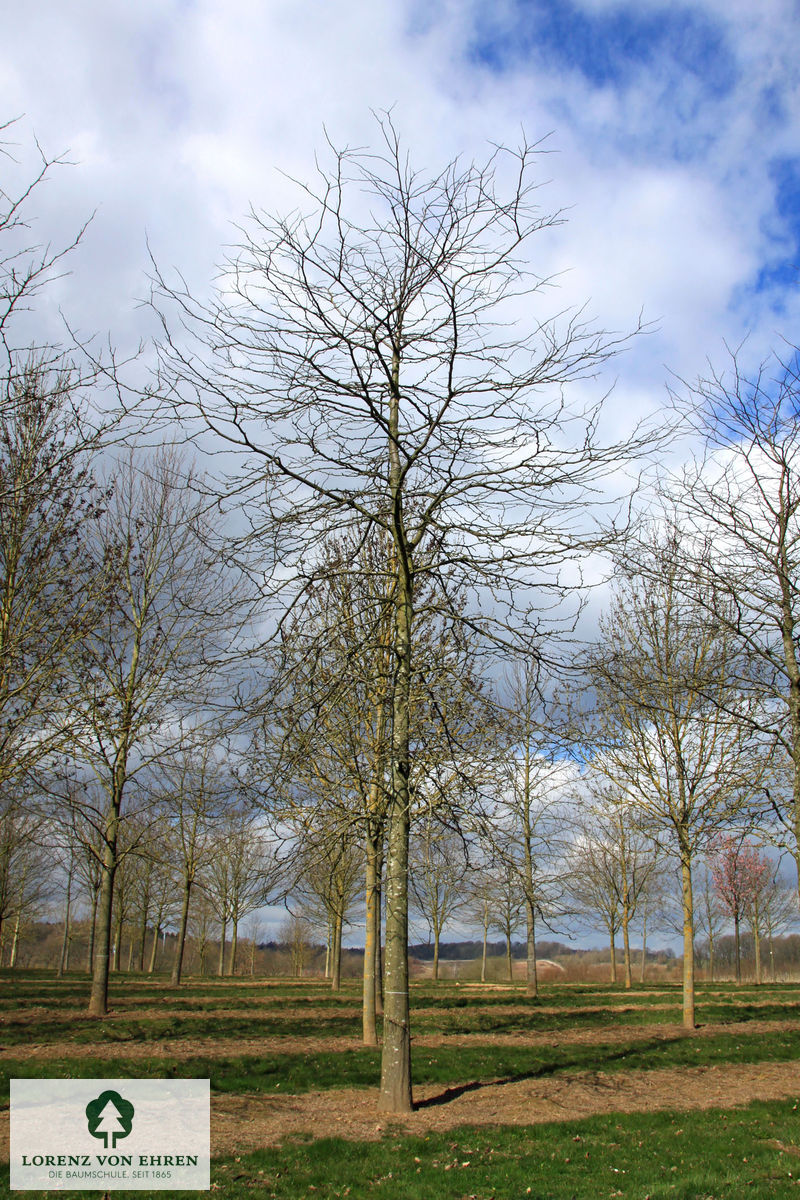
672	131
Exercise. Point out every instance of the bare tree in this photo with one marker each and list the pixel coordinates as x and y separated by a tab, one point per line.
507	907
193	799
742	875
26	264
595	883
671	733
142	665
26	875
709	914
51	592
779	912
295	934
438	868
254	869
384	359
479	902
330	715
328	875
613	865
743	499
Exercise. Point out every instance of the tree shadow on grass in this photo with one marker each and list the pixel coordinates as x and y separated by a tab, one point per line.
453	1092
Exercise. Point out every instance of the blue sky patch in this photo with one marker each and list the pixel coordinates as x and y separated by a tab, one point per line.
783	270
609	48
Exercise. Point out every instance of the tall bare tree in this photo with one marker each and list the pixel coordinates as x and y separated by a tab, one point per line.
383	357
613	865
710	917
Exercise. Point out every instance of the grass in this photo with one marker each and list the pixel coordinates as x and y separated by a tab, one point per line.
751	1152
727	1154
159	1028
448	1065
48	1010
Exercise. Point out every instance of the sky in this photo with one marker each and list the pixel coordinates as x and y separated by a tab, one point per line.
670	139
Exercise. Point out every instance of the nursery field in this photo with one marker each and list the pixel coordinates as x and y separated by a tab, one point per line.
591	1091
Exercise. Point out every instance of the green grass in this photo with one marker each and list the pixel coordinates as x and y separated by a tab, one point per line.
235	1009
751	1152
447	1065
163	1028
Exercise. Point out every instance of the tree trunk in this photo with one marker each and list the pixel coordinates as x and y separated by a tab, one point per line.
644	944
485	939
688	939
710	952
757	941
395	1094
234	947
62	964
118	938
372	932
509	962
222	940
789	634
142	940
531	975
436	953
177	966
151	966
380	949
92	931
626	946
613	952
15	938
98	999
336	953
738	947
396	1058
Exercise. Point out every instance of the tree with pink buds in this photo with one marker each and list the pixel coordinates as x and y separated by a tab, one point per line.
741	875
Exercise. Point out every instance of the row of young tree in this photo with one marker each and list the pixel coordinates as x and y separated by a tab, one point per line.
193	867
363	622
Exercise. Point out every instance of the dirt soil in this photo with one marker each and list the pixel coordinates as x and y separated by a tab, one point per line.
242	1123
245	1122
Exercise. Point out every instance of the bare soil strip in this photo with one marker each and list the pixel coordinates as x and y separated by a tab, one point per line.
242	1123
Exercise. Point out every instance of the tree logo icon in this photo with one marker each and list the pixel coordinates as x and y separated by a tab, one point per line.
109	1117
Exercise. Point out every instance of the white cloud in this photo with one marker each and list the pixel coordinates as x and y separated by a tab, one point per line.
182	114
